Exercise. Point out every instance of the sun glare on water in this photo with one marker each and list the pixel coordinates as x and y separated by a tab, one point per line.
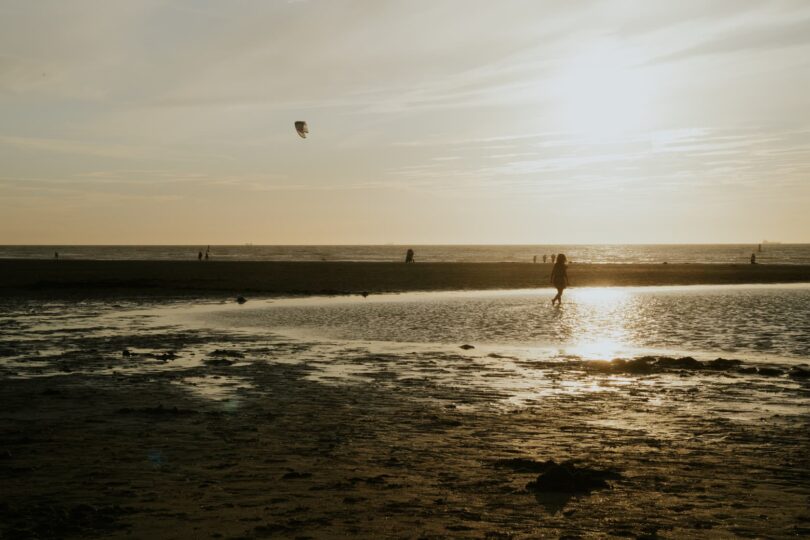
603	334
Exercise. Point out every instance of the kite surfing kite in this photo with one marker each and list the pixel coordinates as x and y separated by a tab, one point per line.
302	129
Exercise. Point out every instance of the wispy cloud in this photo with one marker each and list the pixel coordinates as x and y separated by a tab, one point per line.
163	101
749	35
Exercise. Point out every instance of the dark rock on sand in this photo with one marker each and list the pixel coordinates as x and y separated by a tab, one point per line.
466	347
641	365
652	364
770	372
241	299
723	364
219	362
496	355
687	362
799	372
295	475
567	478
228	353
165	357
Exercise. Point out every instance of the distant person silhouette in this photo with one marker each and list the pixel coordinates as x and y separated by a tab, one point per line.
545	257
535	259
56	255
409	256
207	252
553	257
559	277
199	256
753	258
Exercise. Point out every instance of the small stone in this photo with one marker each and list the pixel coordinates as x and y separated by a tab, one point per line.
567	478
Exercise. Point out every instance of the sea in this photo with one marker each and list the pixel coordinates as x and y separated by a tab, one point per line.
769	252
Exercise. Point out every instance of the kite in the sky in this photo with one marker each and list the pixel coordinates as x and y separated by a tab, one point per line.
302	129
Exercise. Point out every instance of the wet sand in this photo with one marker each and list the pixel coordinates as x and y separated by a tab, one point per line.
150	431
50	278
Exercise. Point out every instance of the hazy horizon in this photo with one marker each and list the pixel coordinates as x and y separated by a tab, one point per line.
414	244
164	122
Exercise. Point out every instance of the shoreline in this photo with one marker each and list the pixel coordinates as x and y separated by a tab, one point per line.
97	278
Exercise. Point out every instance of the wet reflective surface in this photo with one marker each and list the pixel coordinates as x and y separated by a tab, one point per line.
764	323
339	401
522	351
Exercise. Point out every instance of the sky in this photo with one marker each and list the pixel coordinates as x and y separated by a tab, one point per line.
431	121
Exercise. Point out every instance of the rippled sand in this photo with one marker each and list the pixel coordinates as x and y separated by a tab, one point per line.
143	420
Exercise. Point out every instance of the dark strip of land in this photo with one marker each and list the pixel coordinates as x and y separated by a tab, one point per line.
72	278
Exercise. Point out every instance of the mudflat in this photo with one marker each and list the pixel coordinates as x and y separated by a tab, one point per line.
138	429
51	278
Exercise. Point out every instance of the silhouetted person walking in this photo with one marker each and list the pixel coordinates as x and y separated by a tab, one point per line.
553	257
545	257
535	259
56	255
409	256
199	256
559	277
753	258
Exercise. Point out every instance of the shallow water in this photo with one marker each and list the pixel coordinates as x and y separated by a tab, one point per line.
765	323
525	352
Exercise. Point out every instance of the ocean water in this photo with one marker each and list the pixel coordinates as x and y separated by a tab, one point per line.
767	323
597	253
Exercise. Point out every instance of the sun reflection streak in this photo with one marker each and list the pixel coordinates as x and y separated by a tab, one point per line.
601	328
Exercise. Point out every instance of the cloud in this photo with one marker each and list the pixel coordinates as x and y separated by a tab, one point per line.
146	100
751	34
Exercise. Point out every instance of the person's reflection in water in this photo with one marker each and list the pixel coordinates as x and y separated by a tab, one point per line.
559	278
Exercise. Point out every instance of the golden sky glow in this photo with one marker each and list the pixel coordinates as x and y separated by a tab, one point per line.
163	122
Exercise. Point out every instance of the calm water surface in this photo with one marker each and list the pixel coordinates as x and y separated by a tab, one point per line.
765	323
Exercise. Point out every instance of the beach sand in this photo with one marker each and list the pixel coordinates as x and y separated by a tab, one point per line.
141	431
50	279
